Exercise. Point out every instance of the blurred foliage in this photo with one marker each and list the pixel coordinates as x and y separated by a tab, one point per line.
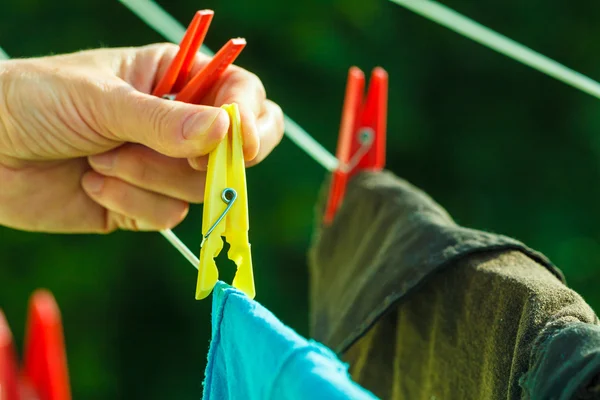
502	147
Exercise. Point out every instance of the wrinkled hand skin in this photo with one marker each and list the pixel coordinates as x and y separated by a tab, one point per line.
84	148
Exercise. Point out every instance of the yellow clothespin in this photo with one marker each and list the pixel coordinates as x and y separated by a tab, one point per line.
226	212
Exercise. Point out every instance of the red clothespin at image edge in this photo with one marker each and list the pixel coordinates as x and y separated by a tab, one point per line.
44	375
361	141
175	85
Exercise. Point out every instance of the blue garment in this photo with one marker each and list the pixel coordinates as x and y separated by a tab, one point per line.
254	356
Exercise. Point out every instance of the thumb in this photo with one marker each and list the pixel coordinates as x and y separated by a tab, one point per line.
169	127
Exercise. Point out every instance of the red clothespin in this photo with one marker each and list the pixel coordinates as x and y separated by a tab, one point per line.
361	141
44	375
9	371
175	81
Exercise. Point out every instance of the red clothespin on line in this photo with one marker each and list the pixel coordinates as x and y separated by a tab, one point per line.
361	141
175	85
44	375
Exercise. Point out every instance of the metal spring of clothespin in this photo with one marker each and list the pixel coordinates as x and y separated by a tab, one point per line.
366	137
228	196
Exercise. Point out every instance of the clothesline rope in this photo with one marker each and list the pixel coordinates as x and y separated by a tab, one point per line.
181	247
473	30
162	22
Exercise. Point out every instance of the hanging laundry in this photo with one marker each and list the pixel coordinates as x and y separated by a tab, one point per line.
254	356
423	308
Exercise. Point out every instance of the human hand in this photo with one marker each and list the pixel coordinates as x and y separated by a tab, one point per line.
61	115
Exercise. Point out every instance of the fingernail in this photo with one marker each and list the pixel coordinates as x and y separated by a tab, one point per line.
251	140
172	223
207	125
182	215
200	163
103	161
94	183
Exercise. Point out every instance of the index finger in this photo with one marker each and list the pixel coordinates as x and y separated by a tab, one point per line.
244	88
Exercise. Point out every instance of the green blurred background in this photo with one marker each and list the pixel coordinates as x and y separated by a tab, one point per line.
502	147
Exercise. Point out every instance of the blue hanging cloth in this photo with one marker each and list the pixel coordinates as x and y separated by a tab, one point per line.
254	356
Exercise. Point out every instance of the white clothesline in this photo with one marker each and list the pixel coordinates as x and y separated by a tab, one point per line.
162	22
172	30
473	30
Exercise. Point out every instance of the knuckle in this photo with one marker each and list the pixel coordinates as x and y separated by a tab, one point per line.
196	192
105	98
165	52
257	82
110	223
141	172
167	221
158	118
133	224
165	225
251	76
127	223
279	118
116	194
117	221
167	47
7	91
130	164
177	216
249	81
106	87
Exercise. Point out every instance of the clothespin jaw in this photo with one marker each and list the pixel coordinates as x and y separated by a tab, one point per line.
203	80
9	372
179	69
175	81
226	212
362	136
45	361
373	122
44	375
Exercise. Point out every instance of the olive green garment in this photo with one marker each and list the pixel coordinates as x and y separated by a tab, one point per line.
422	308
